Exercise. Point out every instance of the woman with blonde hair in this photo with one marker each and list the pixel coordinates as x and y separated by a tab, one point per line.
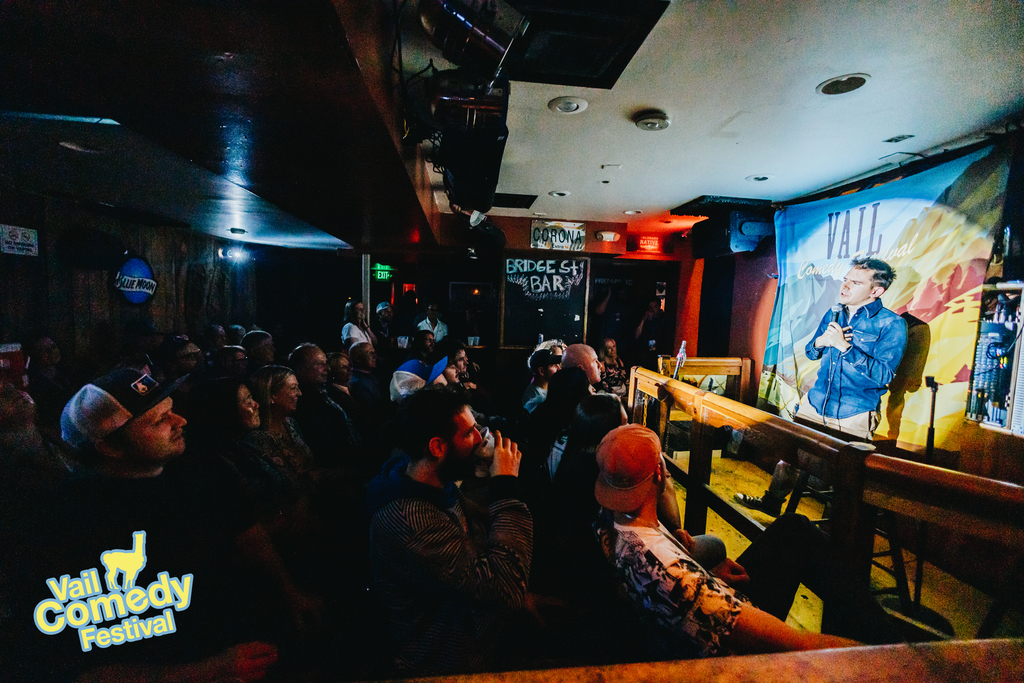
356	329
278	439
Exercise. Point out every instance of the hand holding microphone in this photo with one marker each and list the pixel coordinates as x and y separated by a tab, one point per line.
835	335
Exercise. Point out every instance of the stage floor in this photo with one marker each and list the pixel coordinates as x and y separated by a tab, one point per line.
961	605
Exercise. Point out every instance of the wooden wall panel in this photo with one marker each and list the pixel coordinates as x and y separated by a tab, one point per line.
64	296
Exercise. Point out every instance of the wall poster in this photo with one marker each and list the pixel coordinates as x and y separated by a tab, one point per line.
936	229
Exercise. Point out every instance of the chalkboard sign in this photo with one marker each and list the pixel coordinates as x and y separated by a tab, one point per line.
543	296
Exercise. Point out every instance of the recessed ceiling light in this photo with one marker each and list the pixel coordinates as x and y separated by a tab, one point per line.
540	213
651	120
759	178
898	138
632	212
237	231
75	147
559	193
605	182
840	85
567	105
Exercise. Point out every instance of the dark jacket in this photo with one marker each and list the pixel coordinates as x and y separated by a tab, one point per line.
444	594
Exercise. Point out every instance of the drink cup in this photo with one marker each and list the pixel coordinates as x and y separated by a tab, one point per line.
484	453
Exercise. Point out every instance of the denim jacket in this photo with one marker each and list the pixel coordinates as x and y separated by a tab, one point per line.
854	381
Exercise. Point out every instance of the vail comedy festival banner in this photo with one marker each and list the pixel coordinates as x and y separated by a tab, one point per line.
936	230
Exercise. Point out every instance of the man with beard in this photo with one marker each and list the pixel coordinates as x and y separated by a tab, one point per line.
446	597
135	486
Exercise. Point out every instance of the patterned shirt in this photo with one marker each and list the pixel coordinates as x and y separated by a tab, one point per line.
615	379
287	454
668	587
446	593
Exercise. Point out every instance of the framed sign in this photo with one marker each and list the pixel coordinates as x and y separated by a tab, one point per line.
561	235
543	298
19	241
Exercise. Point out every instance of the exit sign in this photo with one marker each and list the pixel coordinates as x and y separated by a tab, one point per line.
382	272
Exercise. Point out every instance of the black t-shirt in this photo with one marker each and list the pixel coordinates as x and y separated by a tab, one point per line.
191	515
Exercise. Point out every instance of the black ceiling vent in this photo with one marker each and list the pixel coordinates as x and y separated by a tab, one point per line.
580	42
513	201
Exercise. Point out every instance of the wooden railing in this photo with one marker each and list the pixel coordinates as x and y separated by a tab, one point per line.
864	481
737	371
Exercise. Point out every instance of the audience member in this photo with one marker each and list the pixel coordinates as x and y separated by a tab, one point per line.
689	611
259	350
405	319
433	324
544	364
574	472
234	334
444	373
327	426
414	373
134	488
459	357
214	337
339	370
583	357
27	455
230	361
141	340
422	347
381	327
47	384
652	335
555	346
278	440
364	385
177	357
356	328
228	414
615	378
550	421
445	597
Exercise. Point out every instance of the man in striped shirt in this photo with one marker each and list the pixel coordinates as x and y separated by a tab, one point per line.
446	594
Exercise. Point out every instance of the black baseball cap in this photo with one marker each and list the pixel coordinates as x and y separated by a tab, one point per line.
108	403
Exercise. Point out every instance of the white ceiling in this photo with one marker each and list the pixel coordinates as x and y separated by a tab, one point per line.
738	80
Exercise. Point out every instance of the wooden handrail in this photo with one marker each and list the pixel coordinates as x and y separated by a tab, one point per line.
739	368
968	489
975	505
863	480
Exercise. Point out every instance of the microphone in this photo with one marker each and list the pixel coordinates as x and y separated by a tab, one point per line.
836	309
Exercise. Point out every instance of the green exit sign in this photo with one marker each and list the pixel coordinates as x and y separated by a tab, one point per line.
382	272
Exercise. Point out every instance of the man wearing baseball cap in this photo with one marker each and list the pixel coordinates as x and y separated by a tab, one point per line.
94	422
692	612
387	339
544	364
176	515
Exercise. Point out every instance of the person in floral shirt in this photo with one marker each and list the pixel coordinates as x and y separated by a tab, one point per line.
693	611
